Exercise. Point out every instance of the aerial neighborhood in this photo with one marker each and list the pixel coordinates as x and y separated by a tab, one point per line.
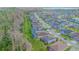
58	27
39	29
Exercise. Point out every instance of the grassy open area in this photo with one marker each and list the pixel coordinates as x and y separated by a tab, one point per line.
37	45
68	48
66	37
73	29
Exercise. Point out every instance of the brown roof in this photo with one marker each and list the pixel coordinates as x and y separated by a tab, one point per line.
58	46
76	34
42	33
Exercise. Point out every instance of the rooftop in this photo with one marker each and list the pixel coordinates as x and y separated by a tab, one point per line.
48	39
42	33
57	46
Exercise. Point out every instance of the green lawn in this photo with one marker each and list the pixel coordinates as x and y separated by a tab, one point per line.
73	29
37	45
67	37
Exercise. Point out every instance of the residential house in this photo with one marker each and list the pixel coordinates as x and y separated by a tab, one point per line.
75	36
42	34
48	39
58	46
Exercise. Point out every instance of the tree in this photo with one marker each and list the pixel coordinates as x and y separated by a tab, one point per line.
5	43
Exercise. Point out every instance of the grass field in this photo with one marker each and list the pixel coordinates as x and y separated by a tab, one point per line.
37	45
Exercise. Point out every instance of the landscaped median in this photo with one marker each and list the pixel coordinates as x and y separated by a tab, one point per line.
37	45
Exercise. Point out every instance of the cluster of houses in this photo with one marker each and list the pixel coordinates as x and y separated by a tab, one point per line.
39	31
61	23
